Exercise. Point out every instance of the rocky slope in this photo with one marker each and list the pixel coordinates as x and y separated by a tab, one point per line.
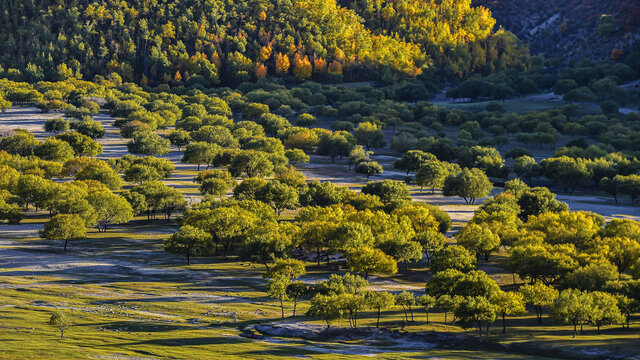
571	29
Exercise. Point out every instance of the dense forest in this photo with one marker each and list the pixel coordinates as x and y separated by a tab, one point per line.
223	41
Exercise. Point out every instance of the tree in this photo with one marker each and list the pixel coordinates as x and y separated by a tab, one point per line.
370	261
296	290
621	251
278	195
539	296
388	191
286	268
248	188
148	143
478	239
477	310
508	303
55	150
469	184
189	241
592	276
265	248
413	160
61	321
252	163
179	138
369	168
305	120
81	144
454	282
433	174
538	200
427	302
10	213
277	289
380	301
65	228
56	125
326	307
543	262
200	153
605	310
90	128
406	300
369	135
109	208
334	144
296	156
526	167
21	143
453	257
573	307
448	304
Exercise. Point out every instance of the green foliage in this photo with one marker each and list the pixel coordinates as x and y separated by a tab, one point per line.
189	241
469	184
65	228
61	321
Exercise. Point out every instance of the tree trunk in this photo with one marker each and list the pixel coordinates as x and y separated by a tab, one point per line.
188	259
65	244
295	304
282	308
575	330
378	321
61	334
504	324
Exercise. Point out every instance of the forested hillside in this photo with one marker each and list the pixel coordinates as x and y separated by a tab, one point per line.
224	41
571	29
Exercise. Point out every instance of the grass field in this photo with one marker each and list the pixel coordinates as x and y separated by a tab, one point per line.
128	299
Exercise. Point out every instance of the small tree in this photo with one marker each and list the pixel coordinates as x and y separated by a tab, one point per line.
286	268
379	301
277	289
427	302
64	227
470	184
526	167
190	241
508	303
477	310
296	290
574	307
326	307
369	168
406	300
539	295
605	310
60	321
371	261
478	239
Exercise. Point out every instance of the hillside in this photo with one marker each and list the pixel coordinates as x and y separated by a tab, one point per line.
571	29
227	42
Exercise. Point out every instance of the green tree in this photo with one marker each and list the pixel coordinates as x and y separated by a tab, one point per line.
189	241
369	168
148	143
539	296
325	307
427	302
278	195
296	156
65	228
109	208
605	310
413	160
370	261
470	184
453	257
478	239
286	268
277	289
380	301
54	149
574	307
387	190
295	291
61	321
478	311
252	164
179	138
200	153
369	135
406	300
432	174
526	167
508	303
81	144
56	125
